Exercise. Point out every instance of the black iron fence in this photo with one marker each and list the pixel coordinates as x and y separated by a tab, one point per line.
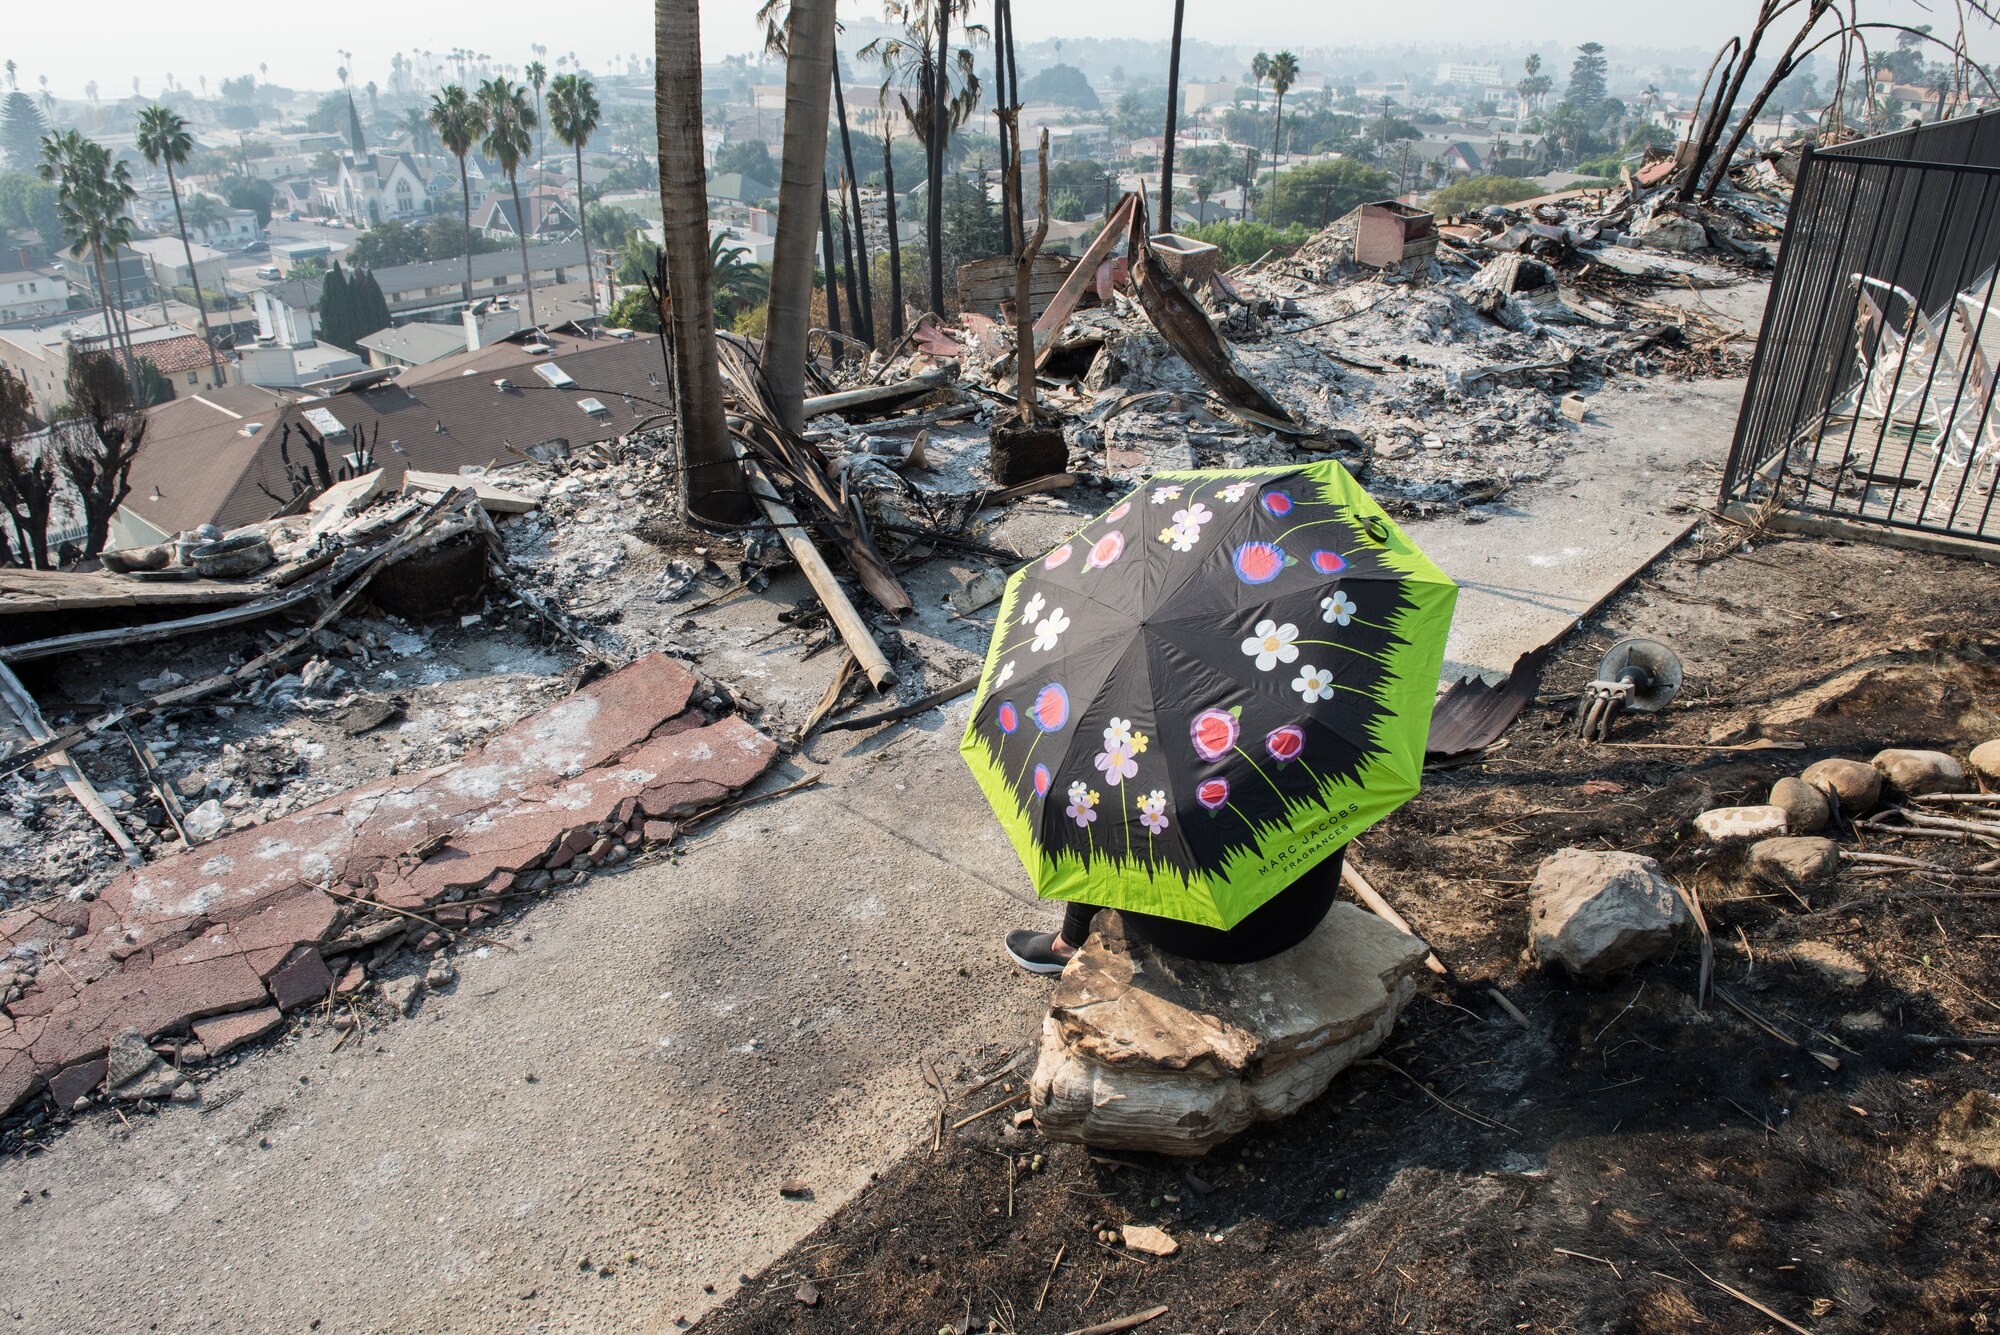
1871	394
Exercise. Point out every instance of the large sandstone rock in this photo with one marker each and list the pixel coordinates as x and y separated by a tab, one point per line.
1914	773
1741	825
1985	760
1602	913
1805	807
1797	860
1142	1050
1857	787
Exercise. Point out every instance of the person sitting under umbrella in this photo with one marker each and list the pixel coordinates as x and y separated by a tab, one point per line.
1194	703
1280	923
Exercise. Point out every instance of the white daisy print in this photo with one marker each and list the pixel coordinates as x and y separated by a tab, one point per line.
1236	491
1337	610
1312	684
1049	629
1271	644
1119	733
1006	674
1194	516
1153	811
1183	537
1033	609
1161	495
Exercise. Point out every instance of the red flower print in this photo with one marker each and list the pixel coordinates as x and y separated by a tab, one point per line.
1105	550
1329	563
1212	793
1058	556
1285	743
1214	731
1010	717
1278	503
1259	562
1051	708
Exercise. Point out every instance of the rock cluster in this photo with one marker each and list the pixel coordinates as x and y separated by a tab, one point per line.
1142	1050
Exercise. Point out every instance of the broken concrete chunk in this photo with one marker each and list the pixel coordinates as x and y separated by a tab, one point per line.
1741	825
440	975
1985	760
301	980
133	1071
1149	1241
1795	860
1143	1050
1573	407
205	821
795	1189
1669	231
226	1033
1805	808
71	1085
1602	913
1832	963
1914	773
1856	786
402	993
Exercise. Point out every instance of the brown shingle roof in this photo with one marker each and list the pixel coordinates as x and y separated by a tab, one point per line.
209	472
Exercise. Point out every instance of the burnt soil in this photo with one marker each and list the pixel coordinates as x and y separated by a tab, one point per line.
1615	1163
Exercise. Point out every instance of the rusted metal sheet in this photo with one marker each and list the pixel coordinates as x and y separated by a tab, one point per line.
1471	715
1186	328
1089	269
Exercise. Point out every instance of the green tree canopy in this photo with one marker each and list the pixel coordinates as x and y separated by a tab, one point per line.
21	131
389	243
30	202
1479	191
1242	242
752	158
1061	85
1318	192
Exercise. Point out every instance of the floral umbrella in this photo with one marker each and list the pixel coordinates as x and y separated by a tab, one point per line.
1209	688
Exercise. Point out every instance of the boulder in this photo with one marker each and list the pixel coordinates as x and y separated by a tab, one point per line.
1805	808
1795	860
1670	231
1914	773
1601	913
1741	825
1985	760
1857	787
1142	1050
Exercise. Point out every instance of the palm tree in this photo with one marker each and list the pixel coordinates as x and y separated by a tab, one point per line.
915	60
738	283
203	213
92	194
418	125
164	139
1284	69
1173	106
509	120
459	122
713	486
537	75
802	184
1260	70
574	115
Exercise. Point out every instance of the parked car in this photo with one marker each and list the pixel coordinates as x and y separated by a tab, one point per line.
269	272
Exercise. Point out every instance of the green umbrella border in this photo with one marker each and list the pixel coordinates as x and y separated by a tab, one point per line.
1311	831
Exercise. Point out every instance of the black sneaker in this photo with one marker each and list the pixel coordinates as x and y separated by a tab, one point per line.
1035	951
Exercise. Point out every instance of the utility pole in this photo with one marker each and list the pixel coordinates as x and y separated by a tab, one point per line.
1173	108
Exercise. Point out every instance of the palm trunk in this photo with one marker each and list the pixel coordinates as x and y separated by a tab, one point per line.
895	242
112	323
1277	133
1000	105
1014	100
521	234
940	86
194	276
801	188
854	318
465	198
1173	108
867	325
583	230
832	269
712	481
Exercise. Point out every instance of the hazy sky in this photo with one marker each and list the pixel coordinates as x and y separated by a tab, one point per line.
123	38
